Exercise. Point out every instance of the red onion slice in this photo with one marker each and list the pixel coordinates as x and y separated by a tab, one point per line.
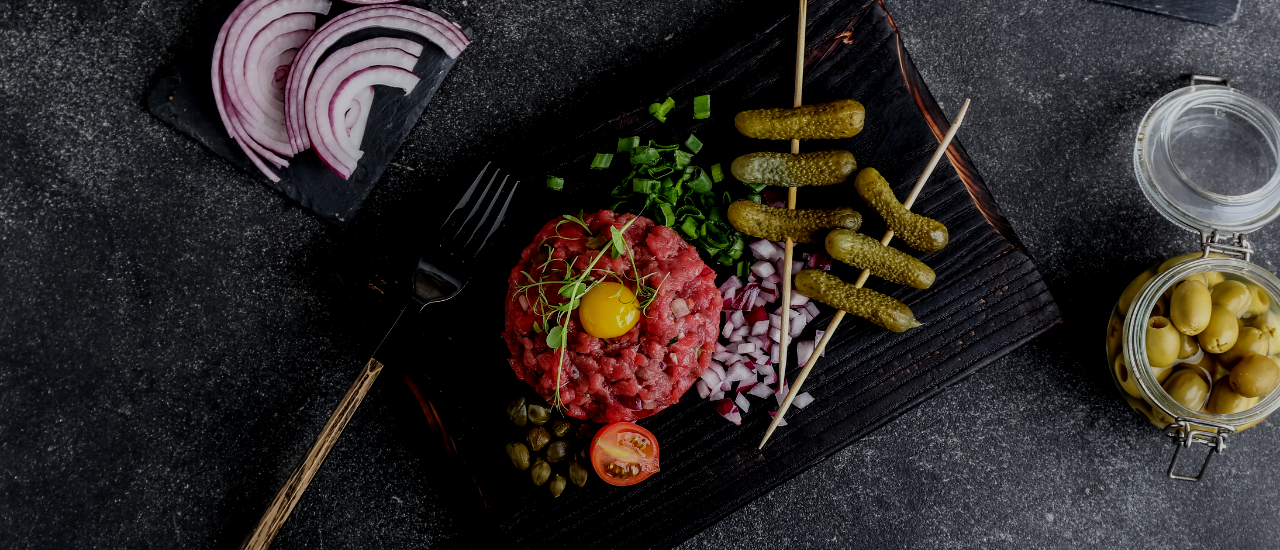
370	2
321	118
406	18
276	71
363	102
382	75
219	96
297	27
255	18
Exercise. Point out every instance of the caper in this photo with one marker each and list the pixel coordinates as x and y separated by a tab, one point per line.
776	224
558	450
1221	332
577	473
539	415
921	233
558	484
518	412
1125	377
837	119
537	438
1188	388
793	170
1249	341
560	427
1190	306
886	262
1224	400
1255	376
1260	303
1131	291
863	302
1233	295
1163	342
1189	346
540	471
519	455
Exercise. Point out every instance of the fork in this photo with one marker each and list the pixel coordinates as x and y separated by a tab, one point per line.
441	274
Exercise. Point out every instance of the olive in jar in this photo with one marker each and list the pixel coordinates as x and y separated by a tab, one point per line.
1222	331
1131	291
1163	342
1126	379
1254	376
1190	306
1249	342
1224	400
1261	302
1188	388
1189	346
1269	324
1233	295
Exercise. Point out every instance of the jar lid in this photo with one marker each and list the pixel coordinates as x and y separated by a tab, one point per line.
1208	158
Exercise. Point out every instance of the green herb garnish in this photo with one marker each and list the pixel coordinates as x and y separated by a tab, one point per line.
602	161
702	106
660	110
554	183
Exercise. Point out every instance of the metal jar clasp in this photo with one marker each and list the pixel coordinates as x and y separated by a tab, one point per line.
1184	433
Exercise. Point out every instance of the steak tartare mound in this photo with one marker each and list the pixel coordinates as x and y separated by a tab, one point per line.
652	363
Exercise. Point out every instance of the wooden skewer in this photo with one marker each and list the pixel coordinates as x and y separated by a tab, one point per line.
862	279
791	205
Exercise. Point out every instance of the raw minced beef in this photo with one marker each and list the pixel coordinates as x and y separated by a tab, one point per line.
646	369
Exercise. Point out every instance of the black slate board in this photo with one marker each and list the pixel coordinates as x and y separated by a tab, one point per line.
989	298
1212	12
183	98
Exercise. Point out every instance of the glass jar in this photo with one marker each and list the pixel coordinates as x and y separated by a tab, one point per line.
1207	157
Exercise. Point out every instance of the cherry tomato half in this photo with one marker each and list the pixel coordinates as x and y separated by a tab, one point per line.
624	454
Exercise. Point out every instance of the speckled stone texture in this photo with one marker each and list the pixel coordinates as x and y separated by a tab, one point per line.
170	341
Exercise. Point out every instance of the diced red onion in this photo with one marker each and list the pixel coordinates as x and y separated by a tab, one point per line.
797	326
712	378
716	394
738	373
728	330
769	285
679	308
762	269
741	402
723	356
770	378
726	385
759	357
719	370
728	296
796	266
760	390
733	283
719	347
729	410
703	389
798	299
775	278
802	400
737	319
782	422
775	354
757	341
764	369
746	348
804	349
812	308
763	250
775	333
759	328
781	393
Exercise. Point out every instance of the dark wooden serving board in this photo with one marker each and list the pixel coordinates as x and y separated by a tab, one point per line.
988	299
183	97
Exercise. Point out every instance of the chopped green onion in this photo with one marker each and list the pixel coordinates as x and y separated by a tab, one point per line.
755	187
668	218
702	106
682	159
690	227
755	197
554	183
717	174
644	155
700	184
741	270
736	247
660	110
645	186
602	161
693	143
627	144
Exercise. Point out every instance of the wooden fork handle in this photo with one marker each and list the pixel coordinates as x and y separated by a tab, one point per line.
273	519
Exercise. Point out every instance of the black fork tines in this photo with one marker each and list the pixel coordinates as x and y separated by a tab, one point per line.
460	235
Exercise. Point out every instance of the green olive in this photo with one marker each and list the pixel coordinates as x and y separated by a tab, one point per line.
1214	277
558	450
1163	342
517	411
1131	291
839	119
560	427
1233	295
1160	308
1190	306
519	455
557	486
539	415
577	473
1222	331
1167	264
537	438
1250	341
1255	376
1115	335
1189	346
1269	324
540	471
1224	400
1261	302
1162	374
1187	387
1125	377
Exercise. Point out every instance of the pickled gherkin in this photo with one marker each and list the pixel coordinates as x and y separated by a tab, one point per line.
776	224
888	263
919	232
863	302
842	118
788	170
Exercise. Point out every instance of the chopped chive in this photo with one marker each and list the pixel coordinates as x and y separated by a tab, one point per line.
602	161
627	144
693	143
660	110
741	270
554	183
702	106
717	174
682	159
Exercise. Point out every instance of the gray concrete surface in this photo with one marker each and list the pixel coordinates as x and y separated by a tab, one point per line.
166	348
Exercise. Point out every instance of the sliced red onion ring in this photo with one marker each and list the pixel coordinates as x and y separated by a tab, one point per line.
370	2
219	95
255	18
381	66
298	28
363	102
276	71
406	18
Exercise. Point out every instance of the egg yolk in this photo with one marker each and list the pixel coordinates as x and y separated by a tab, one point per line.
608	310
